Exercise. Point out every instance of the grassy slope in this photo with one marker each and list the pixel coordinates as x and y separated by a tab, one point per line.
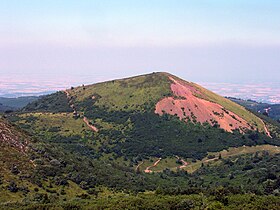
73	192
113	110
255	106
126	94
110	93
53	123
56	102
11	157
171	163
232	152
10	154
131	94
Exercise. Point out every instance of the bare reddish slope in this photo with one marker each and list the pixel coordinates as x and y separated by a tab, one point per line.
9	136
187	106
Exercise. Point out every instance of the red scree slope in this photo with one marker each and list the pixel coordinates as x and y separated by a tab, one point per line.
188	106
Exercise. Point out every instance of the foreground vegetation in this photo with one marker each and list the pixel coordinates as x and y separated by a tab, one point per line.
214	200
82	183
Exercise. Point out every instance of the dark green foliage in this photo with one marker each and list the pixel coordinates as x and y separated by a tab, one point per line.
56	102
15	170
12	187
154	202
162	136
254	173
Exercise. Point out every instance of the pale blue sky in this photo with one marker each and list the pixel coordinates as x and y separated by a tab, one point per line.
199	40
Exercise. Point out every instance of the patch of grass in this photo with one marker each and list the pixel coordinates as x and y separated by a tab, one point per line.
135	93
50	124
171	164
232	152
166	163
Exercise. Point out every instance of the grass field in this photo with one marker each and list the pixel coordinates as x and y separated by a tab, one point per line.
62	123
171	164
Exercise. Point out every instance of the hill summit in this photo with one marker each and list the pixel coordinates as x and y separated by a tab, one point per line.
163	93
157	114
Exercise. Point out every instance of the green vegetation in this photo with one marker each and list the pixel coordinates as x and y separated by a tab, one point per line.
69	166
212	157
135	93
50	125
272	125
160	202
222	184
56	102
145	134
64	178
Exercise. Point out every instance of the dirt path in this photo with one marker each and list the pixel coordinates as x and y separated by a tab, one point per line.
86	121
92	127
266	130
33	164
208	160
138	166
183	162
67	94
148	169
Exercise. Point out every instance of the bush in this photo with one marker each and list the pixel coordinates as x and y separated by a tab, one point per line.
12	187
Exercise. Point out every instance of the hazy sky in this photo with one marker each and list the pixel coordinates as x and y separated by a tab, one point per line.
199	40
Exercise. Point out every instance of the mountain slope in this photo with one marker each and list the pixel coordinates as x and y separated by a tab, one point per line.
15	161
14	147
203	106
144	92
153	115
109	137
17	103
4	108
271	110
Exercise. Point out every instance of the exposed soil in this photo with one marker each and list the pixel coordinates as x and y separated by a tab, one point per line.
75	113
138	166
148	169
266	130
184	163
92	127
187	106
